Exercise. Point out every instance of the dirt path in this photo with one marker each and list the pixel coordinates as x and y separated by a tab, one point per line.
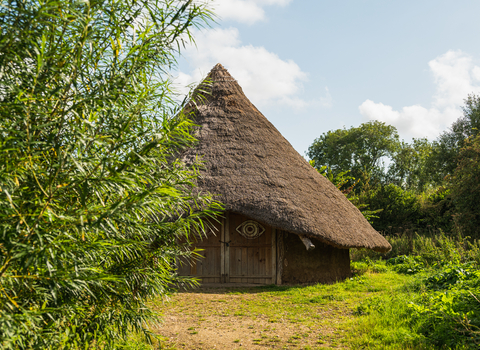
222	319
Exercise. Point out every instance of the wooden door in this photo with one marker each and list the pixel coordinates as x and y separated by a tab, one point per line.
250	255
208	268
231	255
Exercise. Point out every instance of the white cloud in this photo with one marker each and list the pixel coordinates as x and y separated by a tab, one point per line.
244	11
411	121
455	76
264	77
326	101
476	72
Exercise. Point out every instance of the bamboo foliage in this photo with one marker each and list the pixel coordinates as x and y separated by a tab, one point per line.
92	197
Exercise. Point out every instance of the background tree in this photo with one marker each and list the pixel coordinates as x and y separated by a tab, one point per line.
465	187
362	150
92	198
446	149
396	184
408	165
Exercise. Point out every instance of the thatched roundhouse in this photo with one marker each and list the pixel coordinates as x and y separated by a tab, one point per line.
284	222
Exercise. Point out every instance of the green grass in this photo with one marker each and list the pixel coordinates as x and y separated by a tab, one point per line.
375	309
344	308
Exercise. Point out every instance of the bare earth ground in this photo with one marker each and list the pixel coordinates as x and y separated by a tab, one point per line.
252	319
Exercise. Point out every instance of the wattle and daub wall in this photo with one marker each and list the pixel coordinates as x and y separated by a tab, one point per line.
324	264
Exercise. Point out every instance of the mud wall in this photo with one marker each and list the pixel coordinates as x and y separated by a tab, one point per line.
324	264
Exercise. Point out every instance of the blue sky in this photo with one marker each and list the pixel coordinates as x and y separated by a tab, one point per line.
313	66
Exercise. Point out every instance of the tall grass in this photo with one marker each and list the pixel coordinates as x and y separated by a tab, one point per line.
432	248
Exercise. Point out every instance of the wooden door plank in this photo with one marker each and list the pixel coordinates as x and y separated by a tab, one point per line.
207	263
218	263
261	261
233	257
268	261
244	264
256	261
200	264
222	250
274	256
193	269
237	261
280	256
251	263
226	261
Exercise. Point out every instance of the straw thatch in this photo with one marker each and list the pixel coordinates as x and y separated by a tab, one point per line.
256	172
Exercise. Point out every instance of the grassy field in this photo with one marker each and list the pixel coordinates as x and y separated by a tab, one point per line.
359	313
320	316
427	299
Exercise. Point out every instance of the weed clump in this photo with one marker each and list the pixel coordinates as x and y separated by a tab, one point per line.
441	307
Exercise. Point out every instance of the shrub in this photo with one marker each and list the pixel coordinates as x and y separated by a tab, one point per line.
92	198
400	208
407	264
450	275
450	317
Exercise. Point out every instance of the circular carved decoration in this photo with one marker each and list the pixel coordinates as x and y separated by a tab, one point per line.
250	229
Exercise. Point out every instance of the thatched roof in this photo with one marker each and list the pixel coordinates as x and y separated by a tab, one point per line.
256	172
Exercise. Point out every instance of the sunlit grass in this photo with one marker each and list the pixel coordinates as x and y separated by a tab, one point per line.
372	310
336	307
